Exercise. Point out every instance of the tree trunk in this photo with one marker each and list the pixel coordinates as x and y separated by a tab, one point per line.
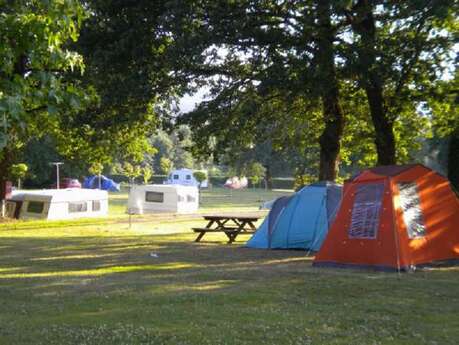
332	113
6	161
453	159
363	24
268	177
384	131
5	165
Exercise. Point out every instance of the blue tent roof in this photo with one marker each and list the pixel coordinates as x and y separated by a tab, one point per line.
301	220
92	182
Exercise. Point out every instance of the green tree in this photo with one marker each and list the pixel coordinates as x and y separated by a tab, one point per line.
328	84
19	171
147	173
123	50
200	176
279	51
255	171
397	51
35	90
131	171
173	147
96	168
182	141
443	107
312	52
165	165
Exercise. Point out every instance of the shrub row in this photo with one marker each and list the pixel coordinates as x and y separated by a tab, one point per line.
216	181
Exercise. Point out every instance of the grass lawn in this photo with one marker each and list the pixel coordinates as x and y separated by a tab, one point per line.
105	283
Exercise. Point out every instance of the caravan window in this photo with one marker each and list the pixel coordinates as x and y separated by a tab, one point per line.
154	197
188	177
35	207
181	198
95	205
176	177
78	206
365	212
410	205
190	198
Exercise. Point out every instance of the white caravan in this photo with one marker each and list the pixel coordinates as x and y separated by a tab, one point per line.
153	198
184	177
56	204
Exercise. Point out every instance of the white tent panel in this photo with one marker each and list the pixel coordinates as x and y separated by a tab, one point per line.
163	198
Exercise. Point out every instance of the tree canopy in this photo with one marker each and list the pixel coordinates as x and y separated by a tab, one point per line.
255	56
35	89
314	85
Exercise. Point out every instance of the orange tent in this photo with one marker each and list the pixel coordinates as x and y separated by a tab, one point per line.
393	217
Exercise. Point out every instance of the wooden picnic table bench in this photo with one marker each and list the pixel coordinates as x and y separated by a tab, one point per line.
231	224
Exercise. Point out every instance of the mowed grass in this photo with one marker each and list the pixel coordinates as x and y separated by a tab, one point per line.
108	283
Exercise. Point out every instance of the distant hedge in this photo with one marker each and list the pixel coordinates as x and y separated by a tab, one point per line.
278	182
215	181
156	179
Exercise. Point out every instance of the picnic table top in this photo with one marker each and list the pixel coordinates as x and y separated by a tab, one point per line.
232	216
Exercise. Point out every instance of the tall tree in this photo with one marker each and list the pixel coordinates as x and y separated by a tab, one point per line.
332	112
443	106
123	50
35	91
397	50
267	49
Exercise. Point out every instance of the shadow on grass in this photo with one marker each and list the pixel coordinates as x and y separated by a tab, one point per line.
90	289
119	263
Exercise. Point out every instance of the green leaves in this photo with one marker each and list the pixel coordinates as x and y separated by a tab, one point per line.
34	62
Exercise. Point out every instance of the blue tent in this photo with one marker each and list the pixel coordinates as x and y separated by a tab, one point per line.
301	220
92	182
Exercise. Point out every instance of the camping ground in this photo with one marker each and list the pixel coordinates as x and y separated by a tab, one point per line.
103	282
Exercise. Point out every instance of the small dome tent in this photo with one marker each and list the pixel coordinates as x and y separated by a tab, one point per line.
95	181
299	221
393	218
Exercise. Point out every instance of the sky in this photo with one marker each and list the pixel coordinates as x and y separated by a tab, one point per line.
189	102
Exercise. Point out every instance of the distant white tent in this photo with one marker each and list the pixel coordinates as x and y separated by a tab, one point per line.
184	177
236	182
56	204
163	198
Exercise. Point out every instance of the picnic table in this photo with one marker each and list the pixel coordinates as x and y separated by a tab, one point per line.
231	224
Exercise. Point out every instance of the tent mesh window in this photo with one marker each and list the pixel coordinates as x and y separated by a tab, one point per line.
154	197
410	205
365	212
190	198
80	206
35	207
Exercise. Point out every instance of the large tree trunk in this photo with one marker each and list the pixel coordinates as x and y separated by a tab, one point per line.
364	25
453	159
6	160
333	115
5	165
268	177
384	131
